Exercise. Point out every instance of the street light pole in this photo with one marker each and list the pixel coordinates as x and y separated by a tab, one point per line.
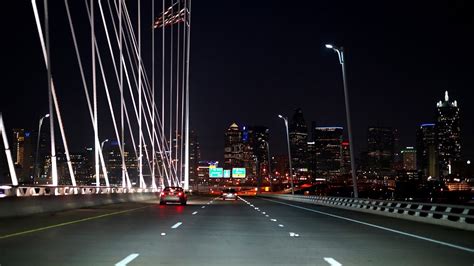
102	144
289	152
340	53
36	172
269	165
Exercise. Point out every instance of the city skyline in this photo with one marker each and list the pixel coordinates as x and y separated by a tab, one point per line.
282	79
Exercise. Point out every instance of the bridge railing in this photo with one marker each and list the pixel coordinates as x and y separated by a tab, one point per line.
34	191
457	216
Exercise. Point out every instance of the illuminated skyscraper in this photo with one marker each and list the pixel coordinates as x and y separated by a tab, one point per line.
409	159
427	155
23	154
233	147
381	142
328	148
194	156
448	133
298	131
346	158
254	140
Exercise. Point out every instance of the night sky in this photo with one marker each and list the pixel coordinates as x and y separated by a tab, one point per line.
253	60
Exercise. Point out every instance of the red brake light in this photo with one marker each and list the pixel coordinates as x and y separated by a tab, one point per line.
180	194
162	193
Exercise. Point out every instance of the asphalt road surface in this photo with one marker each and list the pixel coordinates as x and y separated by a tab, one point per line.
209	231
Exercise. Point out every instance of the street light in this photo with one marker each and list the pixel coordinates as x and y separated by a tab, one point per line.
37	145
102	143
340	54
269	165
289	152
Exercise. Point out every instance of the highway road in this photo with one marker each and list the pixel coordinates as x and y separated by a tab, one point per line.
209	231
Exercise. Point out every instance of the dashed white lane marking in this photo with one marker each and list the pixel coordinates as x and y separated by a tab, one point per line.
163	234
273	220
264	213
128	259
267	215
194	213
203	207
176	225
379	227
280	225
292	234
332	262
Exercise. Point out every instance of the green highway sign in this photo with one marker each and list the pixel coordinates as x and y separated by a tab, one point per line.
238	172
216	172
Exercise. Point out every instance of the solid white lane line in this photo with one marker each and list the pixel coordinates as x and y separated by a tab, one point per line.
176	225
195	212
379	227
332	262
128	259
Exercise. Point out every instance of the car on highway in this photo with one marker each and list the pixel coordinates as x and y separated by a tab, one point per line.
229	193
173	194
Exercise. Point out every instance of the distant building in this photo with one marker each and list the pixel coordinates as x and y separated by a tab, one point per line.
255	155
23	151
203	171
448	133
81	168
298	133
409	158
328	146
311	153
346	158
233	147
280	165
427	155
194	156
381	150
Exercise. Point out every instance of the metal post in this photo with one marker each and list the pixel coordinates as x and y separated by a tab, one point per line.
269	165
37	145
289	152
340	53
8	153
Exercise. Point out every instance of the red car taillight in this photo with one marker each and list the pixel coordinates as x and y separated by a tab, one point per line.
180	194
162	194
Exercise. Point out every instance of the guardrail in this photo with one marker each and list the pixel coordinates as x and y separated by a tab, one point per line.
33	191
456	216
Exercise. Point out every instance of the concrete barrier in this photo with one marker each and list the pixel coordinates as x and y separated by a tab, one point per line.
456	216
24	206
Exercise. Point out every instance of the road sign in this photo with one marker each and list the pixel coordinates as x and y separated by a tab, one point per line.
238	172
216	172
226	173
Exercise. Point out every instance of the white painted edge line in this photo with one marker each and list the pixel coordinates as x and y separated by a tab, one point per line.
128	259
332	262
379	227
194	213
176	225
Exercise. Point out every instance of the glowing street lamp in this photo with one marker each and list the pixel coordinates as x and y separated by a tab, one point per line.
37	144
340	53
289	152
